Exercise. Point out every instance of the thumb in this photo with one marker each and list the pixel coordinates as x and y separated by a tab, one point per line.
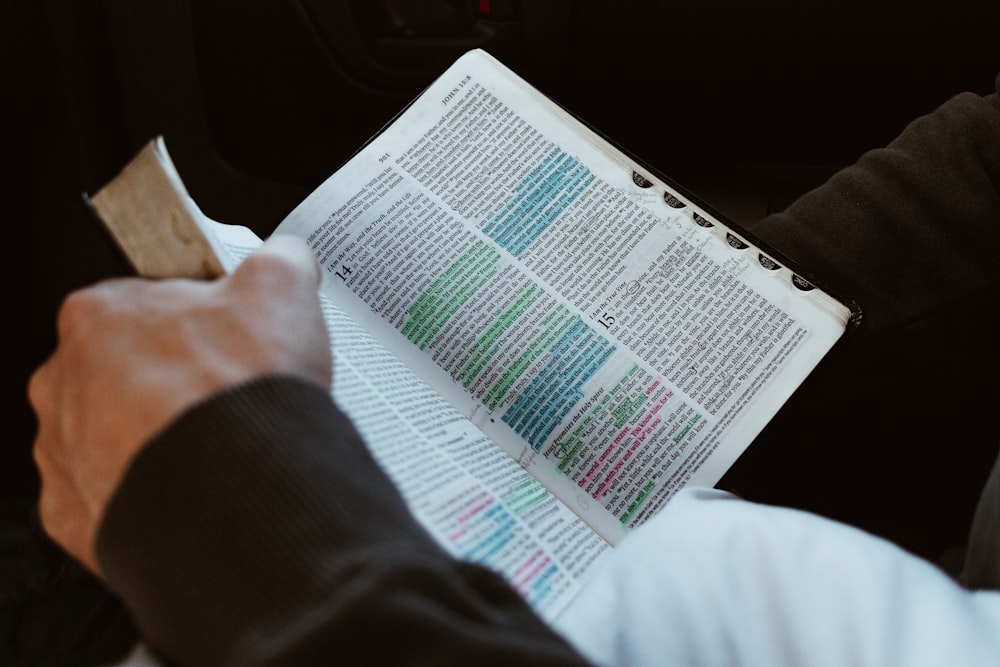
282	259
278	288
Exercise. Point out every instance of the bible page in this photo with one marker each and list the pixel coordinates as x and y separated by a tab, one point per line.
476	501
617	341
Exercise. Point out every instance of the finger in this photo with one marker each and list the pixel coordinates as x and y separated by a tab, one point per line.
40	387
284	260
65	520
62	511
83	305
279	282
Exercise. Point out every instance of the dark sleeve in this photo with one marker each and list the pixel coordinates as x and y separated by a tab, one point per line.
258	530
887	433
909	229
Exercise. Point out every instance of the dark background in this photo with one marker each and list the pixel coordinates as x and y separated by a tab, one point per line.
745	104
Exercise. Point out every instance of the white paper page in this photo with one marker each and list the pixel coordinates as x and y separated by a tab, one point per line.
616	346
468	493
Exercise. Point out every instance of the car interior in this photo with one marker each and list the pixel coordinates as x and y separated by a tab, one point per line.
745	105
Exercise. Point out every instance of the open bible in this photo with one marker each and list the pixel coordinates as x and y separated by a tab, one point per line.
540	339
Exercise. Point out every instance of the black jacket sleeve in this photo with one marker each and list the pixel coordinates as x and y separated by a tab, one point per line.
258	530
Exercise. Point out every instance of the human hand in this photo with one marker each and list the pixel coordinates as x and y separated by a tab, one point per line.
134	354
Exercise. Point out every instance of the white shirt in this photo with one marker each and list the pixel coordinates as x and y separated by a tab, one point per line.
715	580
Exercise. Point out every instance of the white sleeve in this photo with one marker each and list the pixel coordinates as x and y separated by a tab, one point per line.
714	580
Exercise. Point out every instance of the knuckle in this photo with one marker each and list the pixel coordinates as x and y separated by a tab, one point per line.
47	514
38	387
79	306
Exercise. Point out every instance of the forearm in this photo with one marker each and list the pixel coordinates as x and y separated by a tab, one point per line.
910	228
244	536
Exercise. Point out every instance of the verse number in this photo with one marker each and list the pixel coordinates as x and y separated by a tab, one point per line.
343	273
